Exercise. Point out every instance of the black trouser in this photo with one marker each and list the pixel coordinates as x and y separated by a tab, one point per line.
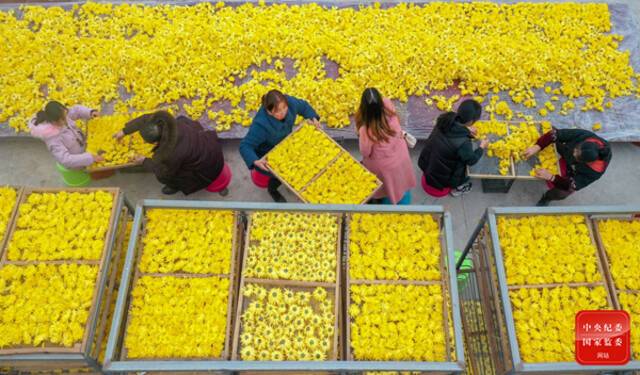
274	184
556	194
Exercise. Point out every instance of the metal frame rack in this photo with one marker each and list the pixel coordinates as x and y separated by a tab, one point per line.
83	355
487	314
113	362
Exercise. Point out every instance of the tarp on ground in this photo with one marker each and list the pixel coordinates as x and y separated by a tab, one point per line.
620	123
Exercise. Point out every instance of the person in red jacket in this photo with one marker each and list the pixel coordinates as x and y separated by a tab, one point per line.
585	155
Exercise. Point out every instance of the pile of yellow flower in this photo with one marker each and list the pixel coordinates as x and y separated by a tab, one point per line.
545	320
488	127
393	247
8	198
302	155
397	322
547	249
345	182
621	240
292	246
547	158
100	131
58	226
174	317
520	137
630	302
160	54
45	304
514	140
280	324
191	241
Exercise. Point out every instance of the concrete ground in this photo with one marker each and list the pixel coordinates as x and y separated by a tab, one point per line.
27	162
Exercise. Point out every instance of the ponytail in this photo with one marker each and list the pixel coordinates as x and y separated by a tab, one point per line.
372	115
52	112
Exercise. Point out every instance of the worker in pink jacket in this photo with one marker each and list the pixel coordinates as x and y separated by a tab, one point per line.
384	149
56	126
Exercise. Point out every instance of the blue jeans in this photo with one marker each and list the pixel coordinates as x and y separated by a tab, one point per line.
406	199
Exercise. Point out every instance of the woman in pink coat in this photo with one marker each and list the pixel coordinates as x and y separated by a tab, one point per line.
384	149
56	126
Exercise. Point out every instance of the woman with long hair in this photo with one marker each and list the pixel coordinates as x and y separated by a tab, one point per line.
56	126
449	149
186	157
383	148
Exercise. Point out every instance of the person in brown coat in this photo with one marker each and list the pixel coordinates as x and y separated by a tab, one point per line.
186	157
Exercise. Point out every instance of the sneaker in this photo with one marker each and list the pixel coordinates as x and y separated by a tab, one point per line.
168	190
460	190
277	197
542	202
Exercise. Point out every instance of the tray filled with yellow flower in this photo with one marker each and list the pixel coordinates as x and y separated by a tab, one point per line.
116	154
318	170
289	314
56	269
538	269
525	134
9	197
618	238
493	163
181	299
289	301
504	156
399	304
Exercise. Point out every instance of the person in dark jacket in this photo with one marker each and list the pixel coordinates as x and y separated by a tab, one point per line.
186	156
273	122
449	149
585	155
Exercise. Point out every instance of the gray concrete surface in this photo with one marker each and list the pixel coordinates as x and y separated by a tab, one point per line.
27	162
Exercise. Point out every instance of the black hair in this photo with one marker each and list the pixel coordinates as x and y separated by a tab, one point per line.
150	132
53	111
590	151
162	126
468	111
271	99
372	114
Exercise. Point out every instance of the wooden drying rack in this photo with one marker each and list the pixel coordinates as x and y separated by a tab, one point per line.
291	284
101	263
512	163
231	276
443	282
321	171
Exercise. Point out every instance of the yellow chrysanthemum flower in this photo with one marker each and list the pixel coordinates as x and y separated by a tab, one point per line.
45	304
191	241
61	226
532	245
188	317
277	328
394	247
293	246
545	320
397	322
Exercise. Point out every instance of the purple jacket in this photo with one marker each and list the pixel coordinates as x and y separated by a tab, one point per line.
67	144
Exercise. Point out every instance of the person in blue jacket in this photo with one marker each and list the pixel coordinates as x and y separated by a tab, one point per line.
273	122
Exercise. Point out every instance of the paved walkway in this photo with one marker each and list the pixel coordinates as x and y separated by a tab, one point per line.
27	162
